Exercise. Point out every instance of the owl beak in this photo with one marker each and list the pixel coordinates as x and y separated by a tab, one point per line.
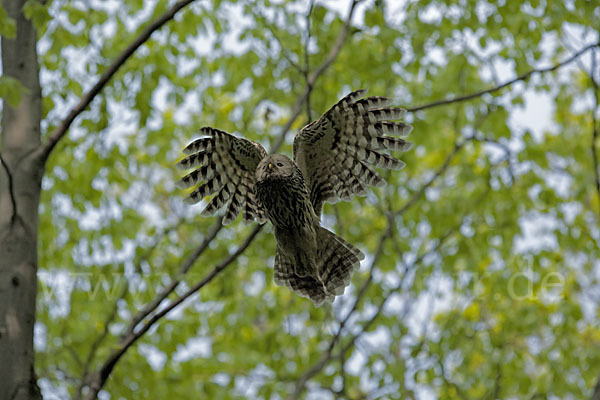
270	166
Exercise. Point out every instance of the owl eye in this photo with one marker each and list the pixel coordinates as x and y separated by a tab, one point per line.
280	164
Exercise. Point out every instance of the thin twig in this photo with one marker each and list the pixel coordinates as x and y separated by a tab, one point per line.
255	12
593	146
407	269
449	383
458	145
329	355
94	348
509	156
521	77
595	127
306	60
312	77
417	195
399	286
60	131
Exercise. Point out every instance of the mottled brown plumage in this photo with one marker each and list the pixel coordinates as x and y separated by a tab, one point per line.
333	159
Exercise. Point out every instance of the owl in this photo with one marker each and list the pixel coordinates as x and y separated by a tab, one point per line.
333	159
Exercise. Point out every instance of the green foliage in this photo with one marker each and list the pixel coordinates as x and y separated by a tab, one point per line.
37	12
7	25
11	90
461	322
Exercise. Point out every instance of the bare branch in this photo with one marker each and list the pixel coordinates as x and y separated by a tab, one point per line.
407	269
318	366
337	47
521	77
60	131
593	147
94	348
449	383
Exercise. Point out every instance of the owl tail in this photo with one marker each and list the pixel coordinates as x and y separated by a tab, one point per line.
336	261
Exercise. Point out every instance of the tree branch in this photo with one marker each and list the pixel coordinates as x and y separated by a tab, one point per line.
256	13
317	367
329	355
11	191
94	348
509	156
166	291
407	269
417	195
312	78
85	375
596	394
306	61
100	377
595	127
595	87
60	131
458	145
521	77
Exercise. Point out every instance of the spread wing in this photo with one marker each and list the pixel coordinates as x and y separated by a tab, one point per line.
337	153
226	164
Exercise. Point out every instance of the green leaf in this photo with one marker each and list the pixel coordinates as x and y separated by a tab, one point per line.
8	25
11	90
37	12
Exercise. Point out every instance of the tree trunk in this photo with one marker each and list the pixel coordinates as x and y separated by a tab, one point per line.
20	177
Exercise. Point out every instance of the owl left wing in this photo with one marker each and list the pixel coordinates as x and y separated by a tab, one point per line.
226	164
336	152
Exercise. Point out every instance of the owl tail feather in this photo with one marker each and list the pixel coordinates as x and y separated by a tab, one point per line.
336	261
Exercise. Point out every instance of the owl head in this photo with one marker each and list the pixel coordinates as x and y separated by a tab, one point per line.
275	166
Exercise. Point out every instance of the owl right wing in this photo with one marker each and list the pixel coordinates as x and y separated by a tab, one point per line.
226	164
335	153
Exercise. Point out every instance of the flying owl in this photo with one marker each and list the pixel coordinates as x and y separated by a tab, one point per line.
334	158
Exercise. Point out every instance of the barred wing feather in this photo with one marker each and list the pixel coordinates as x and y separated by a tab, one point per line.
336	153
225	164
